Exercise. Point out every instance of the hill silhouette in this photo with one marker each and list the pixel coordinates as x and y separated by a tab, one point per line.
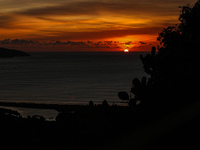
6	53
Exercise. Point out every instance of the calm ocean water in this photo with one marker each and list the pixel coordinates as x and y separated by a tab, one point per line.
68	78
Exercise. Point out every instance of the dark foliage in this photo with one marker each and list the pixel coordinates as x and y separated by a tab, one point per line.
173	68
84	127
105	103
123	95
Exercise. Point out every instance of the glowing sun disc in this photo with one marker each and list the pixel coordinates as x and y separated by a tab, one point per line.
126	51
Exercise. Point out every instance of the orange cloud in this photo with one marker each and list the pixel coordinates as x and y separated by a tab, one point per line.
82	20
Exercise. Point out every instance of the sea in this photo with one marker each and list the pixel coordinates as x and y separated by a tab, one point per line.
69	77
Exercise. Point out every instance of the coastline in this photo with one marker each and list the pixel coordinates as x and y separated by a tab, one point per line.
49	108
100	127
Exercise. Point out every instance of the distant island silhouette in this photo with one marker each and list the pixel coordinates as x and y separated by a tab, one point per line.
7	53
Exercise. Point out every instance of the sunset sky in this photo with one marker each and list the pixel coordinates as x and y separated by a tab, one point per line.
85	25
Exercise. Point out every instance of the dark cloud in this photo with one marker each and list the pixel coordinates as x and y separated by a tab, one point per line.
144	8
83	44
129	43
95	35
6	20
18	42
142	42
98	8
104	34
12	21
76	8
21	43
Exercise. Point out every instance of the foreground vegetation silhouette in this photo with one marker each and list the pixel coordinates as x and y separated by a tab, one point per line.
164	112
173	67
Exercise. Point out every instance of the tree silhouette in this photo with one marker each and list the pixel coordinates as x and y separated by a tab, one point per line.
173	67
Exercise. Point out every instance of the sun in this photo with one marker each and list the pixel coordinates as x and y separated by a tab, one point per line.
126	51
